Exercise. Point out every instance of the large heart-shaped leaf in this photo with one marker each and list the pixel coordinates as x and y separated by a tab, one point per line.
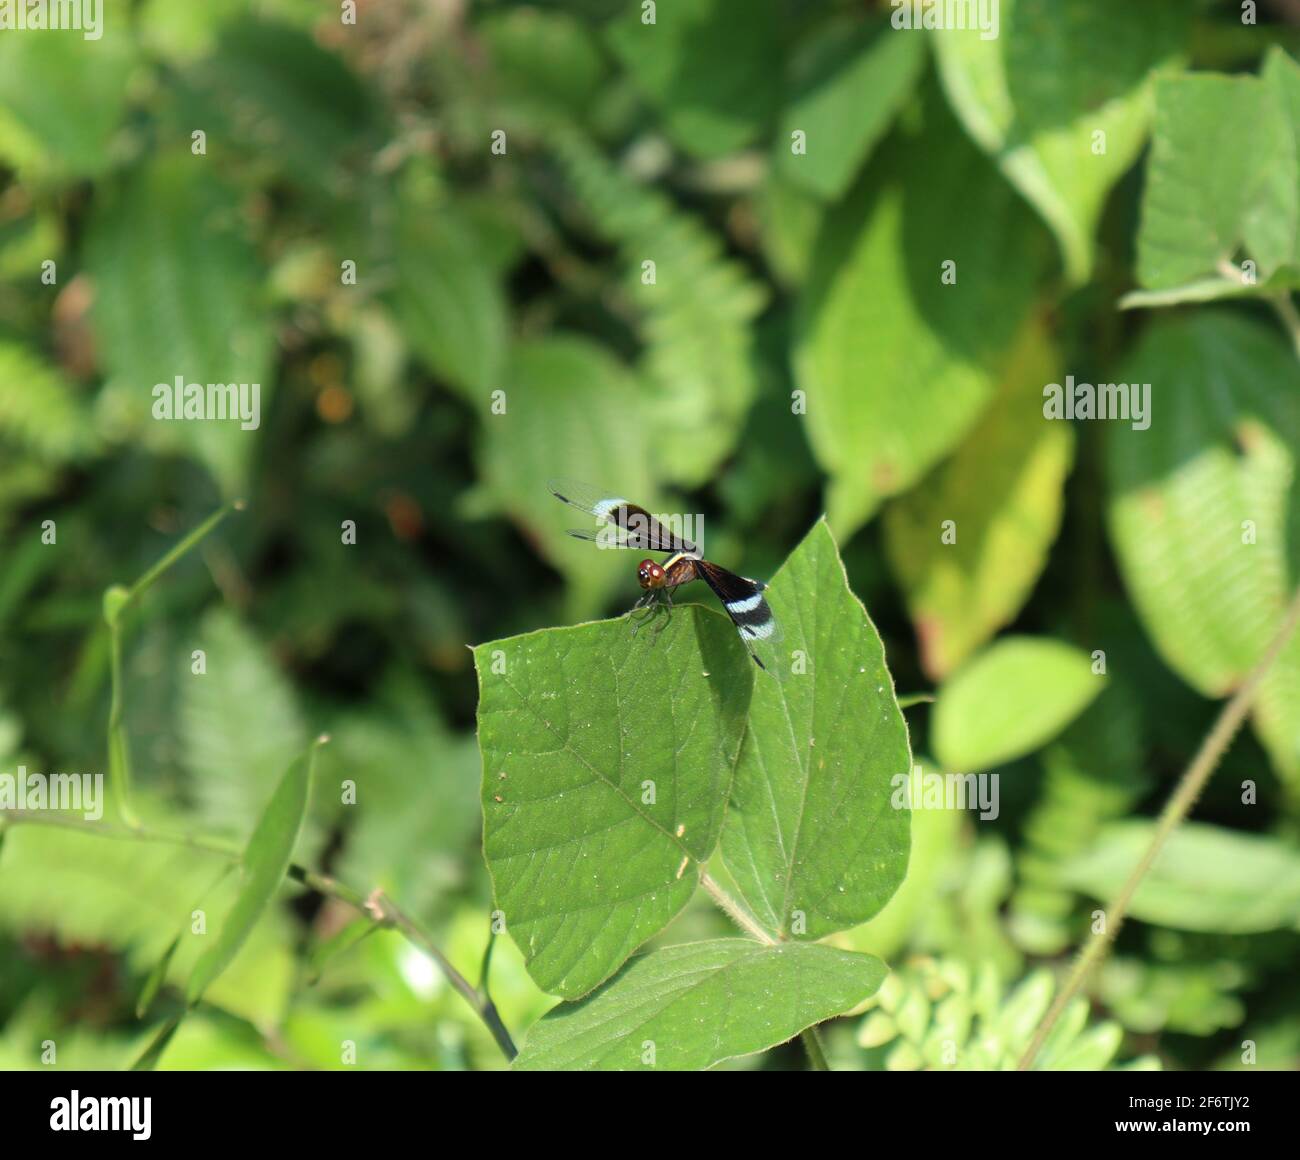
812	837
606	765
690	1007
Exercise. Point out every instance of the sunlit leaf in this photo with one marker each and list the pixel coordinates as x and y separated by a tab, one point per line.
1205	878
265	861
1009	700
849	83
1003	491
690	1007
897	363
1061	96
813	837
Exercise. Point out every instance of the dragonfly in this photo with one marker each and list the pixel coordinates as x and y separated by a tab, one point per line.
623	524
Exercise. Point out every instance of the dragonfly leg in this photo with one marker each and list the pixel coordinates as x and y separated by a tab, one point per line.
666	606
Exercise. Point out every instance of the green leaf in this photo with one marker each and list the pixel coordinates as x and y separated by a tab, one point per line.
148	1060
239	724
699	1004
1221	450
695	318
153	983
1205	878
812	836
341	941
266	859
1222	173
894	380
1217	288
416	818
272	91
849	82
1011	699
39	413
542	57
131	896
177	292
1003	490
606	765
62	98
447	297
572	409
1037	96
935	834
707	66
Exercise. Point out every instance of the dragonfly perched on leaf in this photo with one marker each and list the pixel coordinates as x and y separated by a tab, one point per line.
623	524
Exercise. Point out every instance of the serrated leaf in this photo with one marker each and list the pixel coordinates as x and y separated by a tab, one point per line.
606	765
706	66
812	837
849	83
1222	172
1036	96
266	859
1205	878
572	408
543	57
894	380
1011	699
1003	489
1204	507
271	90
447	297
157	317
695	316
239	724
700	1004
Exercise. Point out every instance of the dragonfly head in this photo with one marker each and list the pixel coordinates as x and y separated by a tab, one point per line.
650	574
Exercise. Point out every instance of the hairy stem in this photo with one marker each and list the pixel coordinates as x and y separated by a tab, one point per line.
737	913
1176	809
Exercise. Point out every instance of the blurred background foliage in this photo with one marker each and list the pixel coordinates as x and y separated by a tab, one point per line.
522	271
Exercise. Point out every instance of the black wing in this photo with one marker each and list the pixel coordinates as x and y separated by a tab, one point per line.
748	608
637	528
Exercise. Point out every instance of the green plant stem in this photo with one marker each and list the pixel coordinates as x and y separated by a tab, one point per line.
813	1045
735	911
1285	309
1176	809
116	601
376	906
743	919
